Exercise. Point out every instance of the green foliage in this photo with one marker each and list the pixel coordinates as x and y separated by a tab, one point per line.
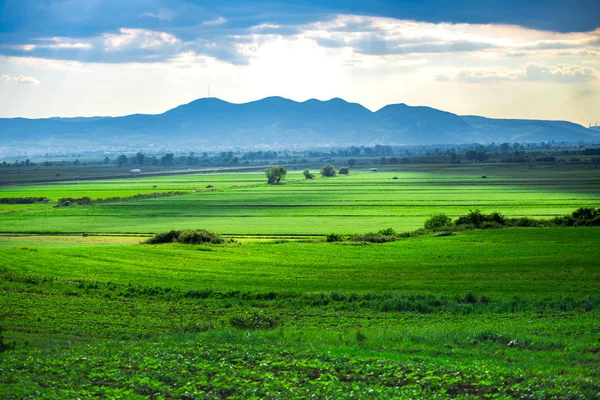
254	320
584	216
387	232
3	345
328	170
344	171
372	238
438	221
70	201
275	175
308	175
188	236
23	200
334	237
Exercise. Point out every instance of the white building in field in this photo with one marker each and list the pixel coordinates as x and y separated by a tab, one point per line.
135	171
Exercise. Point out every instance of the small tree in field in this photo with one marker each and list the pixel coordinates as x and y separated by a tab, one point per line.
437	221
344	171
308	174
275	175
328	170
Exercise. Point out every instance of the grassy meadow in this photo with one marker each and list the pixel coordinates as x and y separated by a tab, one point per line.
280	312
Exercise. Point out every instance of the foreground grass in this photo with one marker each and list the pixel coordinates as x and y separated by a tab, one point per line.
505	313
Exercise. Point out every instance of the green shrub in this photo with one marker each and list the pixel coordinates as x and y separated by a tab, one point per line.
23	200
254	321
70	201
387	232
437	221
164	237
308	174
328	170
196	236
344	171
199	236
3	345
198	294
334	237
373	238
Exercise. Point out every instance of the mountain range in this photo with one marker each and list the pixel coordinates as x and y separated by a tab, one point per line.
279	122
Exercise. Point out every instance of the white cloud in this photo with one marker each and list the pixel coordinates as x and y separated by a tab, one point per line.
532	72
62	43
162	15
5	78
138	38
26	80
216	21
560	73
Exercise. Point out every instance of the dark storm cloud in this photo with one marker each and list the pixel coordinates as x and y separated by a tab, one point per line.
214	27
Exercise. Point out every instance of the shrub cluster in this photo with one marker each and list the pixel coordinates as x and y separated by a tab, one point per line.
23	200
69	201
383	236
335	237
254	321
475	219
189	236
3	345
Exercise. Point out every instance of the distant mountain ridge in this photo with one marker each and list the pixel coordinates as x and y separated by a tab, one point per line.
280	122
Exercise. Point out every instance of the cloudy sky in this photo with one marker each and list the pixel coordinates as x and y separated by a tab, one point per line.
512	59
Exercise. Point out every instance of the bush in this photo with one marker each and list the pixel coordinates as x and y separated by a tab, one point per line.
373	238
70	201
308	174
254	321
3	345
197	236
275	175
24	200
164	237
334	237
387	232
438	221
328	170
344	171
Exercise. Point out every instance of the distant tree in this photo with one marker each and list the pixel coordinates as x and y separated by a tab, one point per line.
275	174
308	174
328	170
344	171
471	155
121	160
482	156
167	159
106	160
139	159
76	162
352	162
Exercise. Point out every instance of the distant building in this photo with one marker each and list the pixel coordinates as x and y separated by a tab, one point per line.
135	171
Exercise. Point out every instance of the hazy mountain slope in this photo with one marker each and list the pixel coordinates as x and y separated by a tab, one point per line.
524	130
211	122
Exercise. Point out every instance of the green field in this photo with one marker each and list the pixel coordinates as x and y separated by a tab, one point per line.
280	313
243	203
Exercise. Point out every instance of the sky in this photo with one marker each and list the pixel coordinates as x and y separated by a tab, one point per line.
502	59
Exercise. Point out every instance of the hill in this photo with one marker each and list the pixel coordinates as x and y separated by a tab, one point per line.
279	122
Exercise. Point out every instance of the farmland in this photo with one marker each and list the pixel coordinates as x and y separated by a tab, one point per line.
279	312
